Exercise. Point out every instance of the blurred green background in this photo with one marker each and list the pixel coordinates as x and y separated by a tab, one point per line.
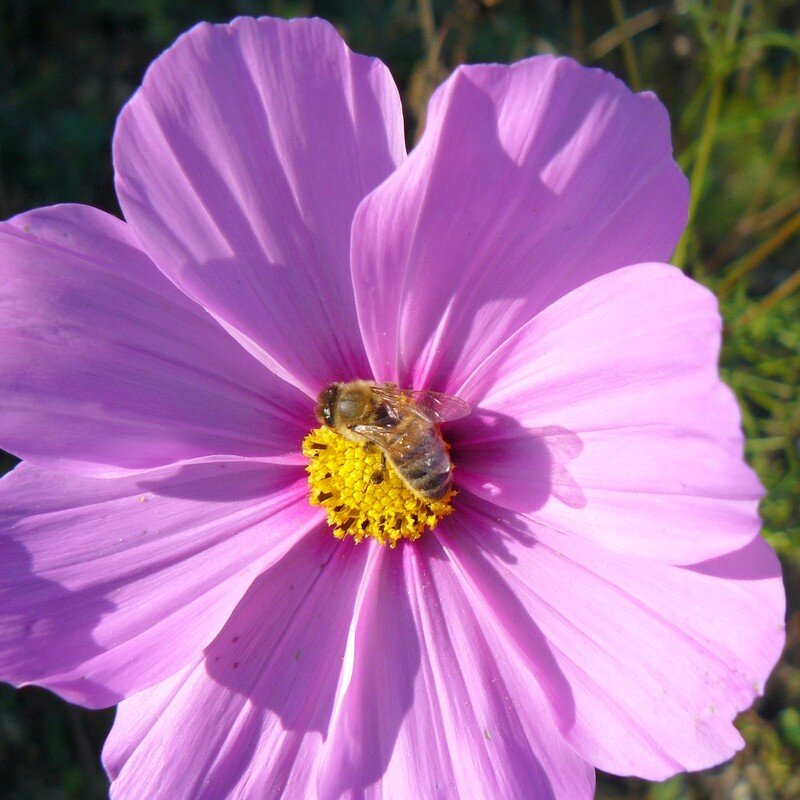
729	72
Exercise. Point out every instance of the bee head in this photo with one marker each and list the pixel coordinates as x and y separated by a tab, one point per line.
326	403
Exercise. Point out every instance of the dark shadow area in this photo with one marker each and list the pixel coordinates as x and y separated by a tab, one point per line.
7	462
515	468
36	643
754	562
498	528
49	748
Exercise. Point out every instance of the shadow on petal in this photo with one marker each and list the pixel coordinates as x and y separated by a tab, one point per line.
36	646
505	206
235	480
385	659
755	561
314	641
515	468
260	175
278	637
472	544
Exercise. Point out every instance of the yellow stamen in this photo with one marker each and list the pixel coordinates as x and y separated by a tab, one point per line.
361	496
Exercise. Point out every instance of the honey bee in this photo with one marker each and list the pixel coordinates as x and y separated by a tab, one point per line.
402	423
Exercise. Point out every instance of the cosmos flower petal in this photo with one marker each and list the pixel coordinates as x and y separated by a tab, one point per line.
605	418
658	658
268	682
109	585
530	180
105	366
426	710
240	163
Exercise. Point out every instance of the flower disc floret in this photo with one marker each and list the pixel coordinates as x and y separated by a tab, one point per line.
362	493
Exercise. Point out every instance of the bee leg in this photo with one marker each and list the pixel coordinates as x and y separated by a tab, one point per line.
377	476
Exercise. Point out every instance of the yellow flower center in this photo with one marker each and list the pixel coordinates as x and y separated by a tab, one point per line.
362	493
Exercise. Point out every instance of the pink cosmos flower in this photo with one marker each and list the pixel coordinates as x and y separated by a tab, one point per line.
599	595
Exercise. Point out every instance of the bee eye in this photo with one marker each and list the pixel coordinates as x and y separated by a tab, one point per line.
326	413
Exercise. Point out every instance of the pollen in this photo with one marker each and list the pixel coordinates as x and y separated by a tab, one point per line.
362	493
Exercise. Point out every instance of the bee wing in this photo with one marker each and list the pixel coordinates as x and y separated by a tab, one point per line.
433	406
440	407
392	441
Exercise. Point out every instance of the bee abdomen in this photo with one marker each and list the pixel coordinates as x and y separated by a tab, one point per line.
426	467
433	485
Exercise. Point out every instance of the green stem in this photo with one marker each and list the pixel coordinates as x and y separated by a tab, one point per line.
709	131
701	164
788	287
628	52
751	260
